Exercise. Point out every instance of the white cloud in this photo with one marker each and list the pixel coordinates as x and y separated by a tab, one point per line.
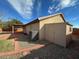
39	4
74	21
23	7
63	4
51	9
75	18
67	3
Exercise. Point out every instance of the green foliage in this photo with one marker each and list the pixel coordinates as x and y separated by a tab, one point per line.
0	23
13	22
8	24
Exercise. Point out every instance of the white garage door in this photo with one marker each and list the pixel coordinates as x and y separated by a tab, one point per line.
49	33
55	34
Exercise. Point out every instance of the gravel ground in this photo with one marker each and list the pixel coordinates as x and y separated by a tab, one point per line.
52	51
17	56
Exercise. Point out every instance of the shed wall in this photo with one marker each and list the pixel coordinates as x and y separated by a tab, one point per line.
69	31
51	20
32	27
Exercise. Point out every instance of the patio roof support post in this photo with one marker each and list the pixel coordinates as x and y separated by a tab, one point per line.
12	29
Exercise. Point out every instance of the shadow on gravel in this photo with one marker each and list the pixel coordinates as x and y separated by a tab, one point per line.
52	51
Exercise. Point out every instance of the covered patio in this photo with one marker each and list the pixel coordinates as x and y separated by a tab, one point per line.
18	28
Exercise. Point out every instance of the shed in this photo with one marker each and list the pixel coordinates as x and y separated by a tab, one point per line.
53	28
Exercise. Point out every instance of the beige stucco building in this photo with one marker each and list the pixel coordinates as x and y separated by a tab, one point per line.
53	28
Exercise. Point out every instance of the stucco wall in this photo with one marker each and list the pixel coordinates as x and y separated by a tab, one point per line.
28	28
35	26
32	27
68	29
50	20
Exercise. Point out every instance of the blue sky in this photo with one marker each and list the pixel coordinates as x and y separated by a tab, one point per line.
28	10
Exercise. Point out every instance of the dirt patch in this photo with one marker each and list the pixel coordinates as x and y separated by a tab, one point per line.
4	36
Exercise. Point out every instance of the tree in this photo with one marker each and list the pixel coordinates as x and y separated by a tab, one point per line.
8	24
14	22
2	15
0	23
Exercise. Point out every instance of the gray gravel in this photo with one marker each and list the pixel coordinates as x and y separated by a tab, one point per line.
52	51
